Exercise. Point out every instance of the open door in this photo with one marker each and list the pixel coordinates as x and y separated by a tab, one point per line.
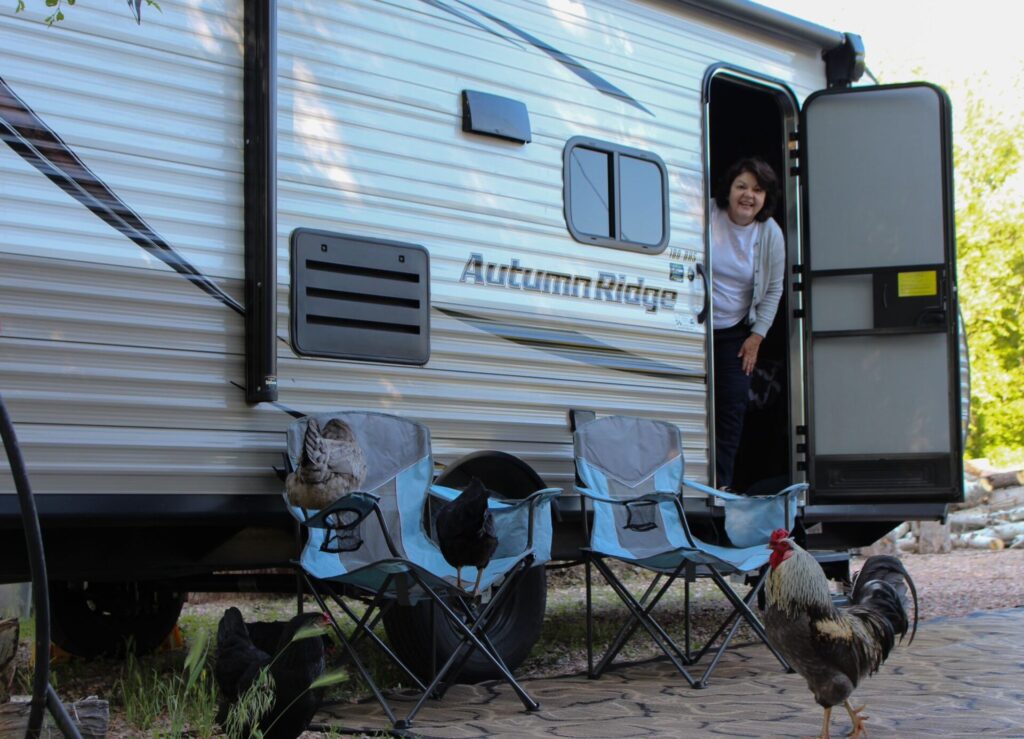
882	359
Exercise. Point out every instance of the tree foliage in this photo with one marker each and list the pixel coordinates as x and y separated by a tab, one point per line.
989	163
56	9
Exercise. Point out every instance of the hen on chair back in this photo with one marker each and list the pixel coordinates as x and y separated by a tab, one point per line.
332	465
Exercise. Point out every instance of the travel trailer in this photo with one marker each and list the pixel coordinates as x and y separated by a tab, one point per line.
479	215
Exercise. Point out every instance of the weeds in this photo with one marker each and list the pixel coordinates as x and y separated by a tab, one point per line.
168	705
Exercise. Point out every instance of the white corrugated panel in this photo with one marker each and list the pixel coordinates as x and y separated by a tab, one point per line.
124	377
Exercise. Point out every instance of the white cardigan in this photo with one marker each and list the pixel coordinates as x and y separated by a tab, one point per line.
769	272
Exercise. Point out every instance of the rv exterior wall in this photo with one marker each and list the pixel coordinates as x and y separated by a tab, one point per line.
124	377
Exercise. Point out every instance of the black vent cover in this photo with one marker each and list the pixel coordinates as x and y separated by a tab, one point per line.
358	298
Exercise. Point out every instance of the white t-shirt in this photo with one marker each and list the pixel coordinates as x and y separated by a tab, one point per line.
732	259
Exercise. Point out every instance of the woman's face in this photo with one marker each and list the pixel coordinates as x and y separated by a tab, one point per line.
746	198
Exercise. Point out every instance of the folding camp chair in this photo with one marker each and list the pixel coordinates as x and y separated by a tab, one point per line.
630	474
374	543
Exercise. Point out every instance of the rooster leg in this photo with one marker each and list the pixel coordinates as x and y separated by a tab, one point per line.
858	721
476	585
825	723
458	577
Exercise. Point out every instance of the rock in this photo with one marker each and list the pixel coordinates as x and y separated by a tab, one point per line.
8	651
932	537
91	716
887	544
1017	543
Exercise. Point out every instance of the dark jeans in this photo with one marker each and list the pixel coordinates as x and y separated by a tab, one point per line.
732	388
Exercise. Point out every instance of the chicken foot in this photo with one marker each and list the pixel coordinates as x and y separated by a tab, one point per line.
858	721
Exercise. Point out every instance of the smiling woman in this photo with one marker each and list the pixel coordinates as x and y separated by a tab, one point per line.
748	254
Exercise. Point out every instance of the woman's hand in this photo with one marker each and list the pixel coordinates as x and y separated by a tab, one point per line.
748	352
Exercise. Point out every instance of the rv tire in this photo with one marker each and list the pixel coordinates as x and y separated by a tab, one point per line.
90	619
514	630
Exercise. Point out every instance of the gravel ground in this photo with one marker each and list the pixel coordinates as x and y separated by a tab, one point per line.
966	580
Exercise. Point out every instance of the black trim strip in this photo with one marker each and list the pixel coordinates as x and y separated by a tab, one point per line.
573	65
36	143
260	187
472	21
575	346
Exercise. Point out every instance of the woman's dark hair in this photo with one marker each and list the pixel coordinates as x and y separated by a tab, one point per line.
765	177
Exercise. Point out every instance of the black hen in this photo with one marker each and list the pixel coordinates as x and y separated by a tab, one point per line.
293	664
465	531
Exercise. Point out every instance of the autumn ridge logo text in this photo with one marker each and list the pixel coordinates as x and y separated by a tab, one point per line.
609	287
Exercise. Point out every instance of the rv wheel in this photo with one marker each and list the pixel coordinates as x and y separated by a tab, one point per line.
90	619
516	626
514	630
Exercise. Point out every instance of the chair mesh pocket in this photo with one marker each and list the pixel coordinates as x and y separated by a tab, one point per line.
640	515
342	531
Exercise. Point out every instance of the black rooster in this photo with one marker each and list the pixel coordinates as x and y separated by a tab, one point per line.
243	651
465	531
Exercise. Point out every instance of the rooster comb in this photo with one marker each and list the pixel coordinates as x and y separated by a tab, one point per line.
778	535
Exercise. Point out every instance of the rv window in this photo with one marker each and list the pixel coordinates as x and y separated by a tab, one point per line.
615	196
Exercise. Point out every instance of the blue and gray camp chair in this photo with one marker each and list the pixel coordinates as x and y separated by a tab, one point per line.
374	544
630	474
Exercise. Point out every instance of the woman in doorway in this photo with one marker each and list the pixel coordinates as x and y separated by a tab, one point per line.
748	262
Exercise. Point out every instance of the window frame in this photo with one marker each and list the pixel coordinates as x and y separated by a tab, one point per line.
615	151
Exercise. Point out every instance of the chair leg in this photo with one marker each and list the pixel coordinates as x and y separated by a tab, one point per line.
469	608
648	603
378	606
590	619
741	610
378	696
470	640
643	618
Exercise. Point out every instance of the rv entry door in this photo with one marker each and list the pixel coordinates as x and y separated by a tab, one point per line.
879	285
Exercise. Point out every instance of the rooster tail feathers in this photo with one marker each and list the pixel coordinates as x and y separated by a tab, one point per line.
891	599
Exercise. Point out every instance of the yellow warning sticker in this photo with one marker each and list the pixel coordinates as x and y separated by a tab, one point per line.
917	284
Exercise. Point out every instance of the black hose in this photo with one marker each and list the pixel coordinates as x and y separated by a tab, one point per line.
43	694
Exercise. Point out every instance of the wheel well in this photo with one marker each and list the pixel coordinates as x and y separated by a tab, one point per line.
502	472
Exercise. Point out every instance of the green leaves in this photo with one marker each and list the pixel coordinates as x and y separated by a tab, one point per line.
58	13
989	164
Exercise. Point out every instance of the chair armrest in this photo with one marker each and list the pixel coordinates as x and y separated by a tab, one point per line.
532	500
449	494
708	490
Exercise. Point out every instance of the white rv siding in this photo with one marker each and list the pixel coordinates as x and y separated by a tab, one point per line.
119	372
